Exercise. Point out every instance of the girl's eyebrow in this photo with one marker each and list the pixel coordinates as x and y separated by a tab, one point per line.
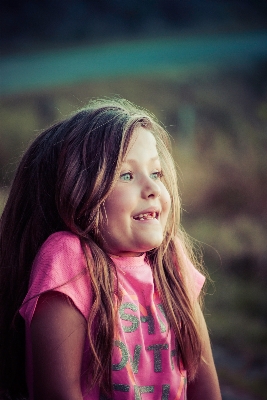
134	161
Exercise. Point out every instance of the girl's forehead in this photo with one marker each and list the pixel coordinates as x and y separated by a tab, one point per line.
142	140
142	148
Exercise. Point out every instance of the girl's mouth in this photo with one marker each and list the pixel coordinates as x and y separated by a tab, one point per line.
149	215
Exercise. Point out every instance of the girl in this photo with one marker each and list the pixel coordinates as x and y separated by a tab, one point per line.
96	284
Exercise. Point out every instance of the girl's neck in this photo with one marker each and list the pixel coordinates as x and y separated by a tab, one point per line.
126	255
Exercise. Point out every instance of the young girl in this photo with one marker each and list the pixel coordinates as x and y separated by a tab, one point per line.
97	287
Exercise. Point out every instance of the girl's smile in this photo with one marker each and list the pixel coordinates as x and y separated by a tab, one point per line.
137	209
147	215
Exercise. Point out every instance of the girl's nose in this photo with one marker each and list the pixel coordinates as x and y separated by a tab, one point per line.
150	188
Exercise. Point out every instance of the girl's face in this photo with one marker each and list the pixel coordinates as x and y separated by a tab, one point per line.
137	209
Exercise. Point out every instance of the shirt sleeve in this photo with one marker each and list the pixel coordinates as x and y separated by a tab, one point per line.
194	279
60	265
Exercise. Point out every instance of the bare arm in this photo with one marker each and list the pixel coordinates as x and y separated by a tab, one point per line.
206	385
58	332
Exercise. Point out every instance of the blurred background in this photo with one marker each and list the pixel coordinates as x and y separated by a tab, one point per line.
201	67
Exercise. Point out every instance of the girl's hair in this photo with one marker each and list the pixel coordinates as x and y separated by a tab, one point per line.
61	184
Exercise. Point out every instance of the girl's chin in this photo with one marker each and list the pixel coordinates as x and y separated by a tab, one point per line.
134	248
150	245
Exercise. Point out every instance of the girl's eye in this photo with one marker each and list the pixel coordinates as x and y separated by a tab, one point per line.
128	176
156	175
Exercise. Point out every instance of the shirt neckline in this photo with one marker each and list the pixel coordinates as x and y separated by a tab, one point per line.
129	262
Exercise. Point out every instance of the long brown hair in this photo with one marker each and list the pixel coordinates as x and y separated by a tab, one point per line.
61	183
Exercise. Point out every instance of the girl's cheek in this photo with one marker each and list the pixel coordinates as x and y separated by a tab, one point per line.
165	198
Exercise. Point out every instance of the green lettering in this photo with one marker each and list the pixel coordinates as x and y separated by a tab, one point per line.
128	317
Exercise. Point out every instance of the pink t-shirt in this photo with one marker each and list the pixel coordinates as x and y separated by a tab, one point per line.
144	357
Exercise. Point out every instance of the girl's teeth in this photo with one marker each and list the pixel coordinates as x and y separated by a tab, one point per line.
142	217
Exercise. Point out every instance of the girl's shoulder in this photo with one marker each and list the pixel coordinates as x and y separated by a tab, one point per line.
60	257
62	241
59	265
60	247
